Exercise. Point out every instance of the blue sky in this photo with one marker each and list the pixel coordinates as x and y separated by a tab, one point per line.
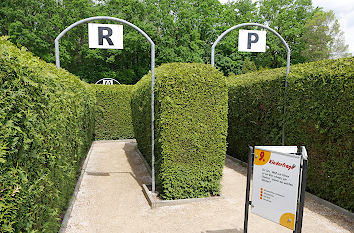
344	11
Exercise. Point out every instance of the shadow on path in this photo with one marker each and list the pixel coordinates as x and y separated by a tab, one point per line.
139	170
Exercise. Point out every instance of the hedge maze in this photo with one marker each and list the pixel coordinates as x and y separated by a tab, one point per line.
48	119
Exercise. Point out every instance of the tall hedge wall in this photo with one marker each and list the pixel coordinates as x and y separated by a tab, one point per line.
113	116
141	115
46	127
191	128
319	115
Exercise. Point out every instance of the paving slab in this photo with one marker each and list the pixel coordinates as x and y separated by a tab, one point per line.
109	198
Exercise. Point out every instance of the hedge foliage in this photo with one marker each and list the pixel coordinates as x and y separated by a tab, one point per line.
113	116
191	128
46	127
319	115
141	115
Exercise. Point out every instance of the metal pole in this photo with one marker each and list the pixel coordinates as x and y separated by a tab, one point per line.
287	58
57	58
285	94
298	226
153	118
247	201
57	62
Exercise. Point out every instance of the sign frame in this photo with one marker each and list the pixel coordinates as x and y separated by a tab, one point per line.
301	186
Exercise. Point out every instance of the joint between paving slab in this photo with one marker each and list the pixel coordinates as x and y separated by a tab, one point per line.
119	140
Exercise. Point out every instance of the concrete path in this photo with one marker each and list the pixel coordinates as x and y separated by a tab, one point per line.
110	199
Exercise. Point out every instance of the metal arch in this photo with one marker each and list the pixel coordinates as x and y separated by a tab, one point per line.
57	62
274	32
57	58
107	79
251	24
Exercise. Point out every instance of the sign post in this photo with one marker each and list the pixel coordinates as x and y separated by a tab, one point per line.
279	181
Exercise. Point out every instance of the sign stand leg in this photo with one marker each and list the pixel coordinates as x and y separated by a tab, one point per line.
247	202
298	226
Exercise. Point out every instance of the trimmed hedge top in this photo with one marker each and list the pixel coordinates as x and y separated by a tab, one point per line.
191	128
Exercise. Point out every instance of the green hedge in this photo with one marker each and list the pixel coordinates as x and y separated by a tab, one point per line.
319	116
141	115
46	127
113	116
191	128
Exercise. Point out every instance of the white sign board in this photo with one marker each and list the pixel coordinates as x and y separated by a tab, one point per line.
105	36
107	82
275	184
252	41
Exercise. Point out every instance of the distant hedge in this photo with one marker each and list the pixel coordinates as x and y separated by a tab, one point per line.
113	116
319	115
191	128
46	127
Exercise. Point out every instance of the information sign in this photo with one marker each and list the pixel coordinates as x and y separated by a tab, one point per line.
276	184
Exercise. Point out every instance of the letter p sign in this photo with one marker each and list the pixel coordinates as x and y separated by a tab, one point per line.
252	41
105	36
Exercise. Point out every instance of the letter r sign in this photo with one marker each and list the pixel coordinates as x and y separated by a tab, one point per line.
252	41
105	36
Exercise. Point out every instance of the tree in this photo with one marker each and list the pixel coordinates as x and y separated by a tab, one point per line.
323	37
127	65
288	18
35	24
248	66
227	57
183	31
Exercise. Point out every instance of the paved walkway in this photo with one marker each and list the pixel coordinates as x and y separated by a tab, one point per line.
110	199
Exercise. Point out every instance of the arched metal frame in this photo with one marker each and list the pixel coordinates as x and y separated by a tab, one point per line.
103	79
57	61
282	40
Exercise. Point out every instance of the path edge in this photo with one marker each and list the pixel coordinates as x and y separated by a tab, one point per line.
65	221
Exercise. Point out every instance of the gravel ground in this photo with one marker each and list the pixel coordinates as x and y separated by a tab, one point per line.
110	199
